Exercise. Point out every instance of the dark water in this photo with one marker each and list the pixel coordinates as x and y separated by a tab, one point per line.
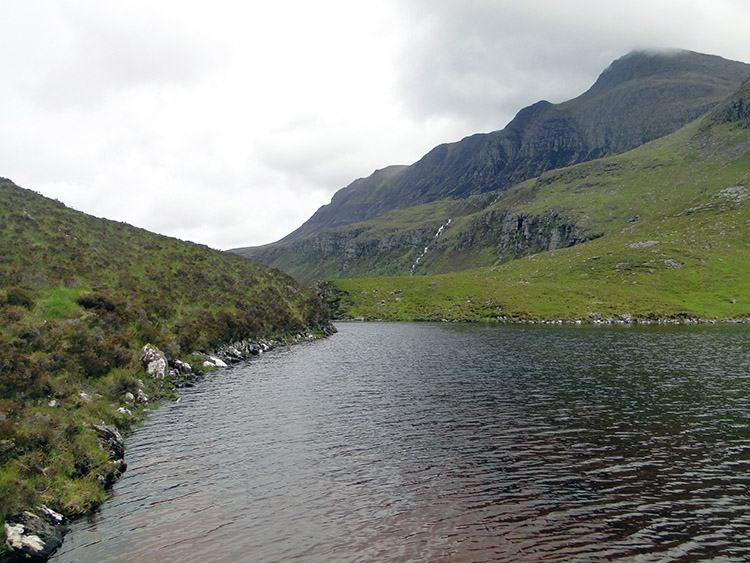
418	442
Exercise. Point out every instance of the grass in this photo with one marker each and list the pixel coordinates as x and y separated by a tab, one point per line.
79	297
57	303
565	285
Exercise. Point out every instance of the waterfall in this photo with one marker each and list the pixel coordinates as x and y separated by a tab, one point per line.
427	248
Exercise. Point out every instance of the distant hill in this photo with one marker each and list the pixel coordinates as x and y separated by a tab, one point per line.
379	225
79	297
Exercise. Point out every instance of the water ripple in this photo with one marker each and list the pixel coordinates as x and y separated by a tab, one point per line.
443	443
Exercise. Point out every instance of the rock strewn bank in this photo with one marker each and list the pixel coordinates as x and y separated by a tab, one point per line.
594	319
35	535
626	319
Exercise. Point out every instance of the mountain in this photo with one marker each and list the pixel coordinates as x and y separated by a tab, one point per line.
638	98
657	234
79	299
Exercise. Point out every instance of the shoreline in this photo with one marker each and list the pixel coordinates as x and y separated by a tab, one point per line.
37	533
603	321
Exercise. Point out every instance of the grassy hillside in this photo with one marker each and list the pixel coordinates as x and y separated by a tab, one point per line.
79	297
672	225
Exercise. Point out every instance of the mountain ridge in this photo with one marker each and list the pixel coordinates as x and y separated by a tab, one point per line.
354	249
639	97
498	226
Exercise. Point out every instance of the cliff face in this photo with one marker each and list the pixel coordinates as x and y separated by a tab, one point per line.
512	234
497	234
736	109
638	98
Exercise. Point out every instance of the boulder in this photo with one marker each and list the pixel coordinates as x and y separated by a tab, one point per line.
154	361
84	397
35	535
214	361
110	440
182	367
111	472
232	353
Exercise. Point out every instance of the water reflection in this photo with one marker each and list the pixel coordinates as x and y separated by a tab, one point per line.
442	443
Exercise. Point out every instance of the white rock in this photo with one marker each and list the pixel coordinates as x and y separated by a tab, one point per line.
16	537
218	362
56	516
154	361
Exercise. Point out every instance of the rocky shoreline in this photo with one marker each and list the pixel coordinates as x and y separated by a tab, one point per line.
35	535
593	319
599	319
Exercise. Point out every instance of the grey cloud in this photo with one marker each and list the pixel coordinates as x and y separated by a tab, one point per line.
313	158
482	61
110	50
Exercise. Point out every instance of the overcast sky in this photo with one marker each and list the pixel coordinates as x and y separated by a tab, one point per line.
229	123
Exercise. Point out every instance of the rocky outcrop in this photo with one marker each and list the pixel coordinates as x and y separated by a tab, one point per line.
347	252
154	361
736	109
348	244
112	442
353	252
35	535
514	234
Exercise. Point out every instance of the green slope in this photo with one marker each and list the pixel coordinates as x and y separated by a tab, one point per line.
670	238
79	297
